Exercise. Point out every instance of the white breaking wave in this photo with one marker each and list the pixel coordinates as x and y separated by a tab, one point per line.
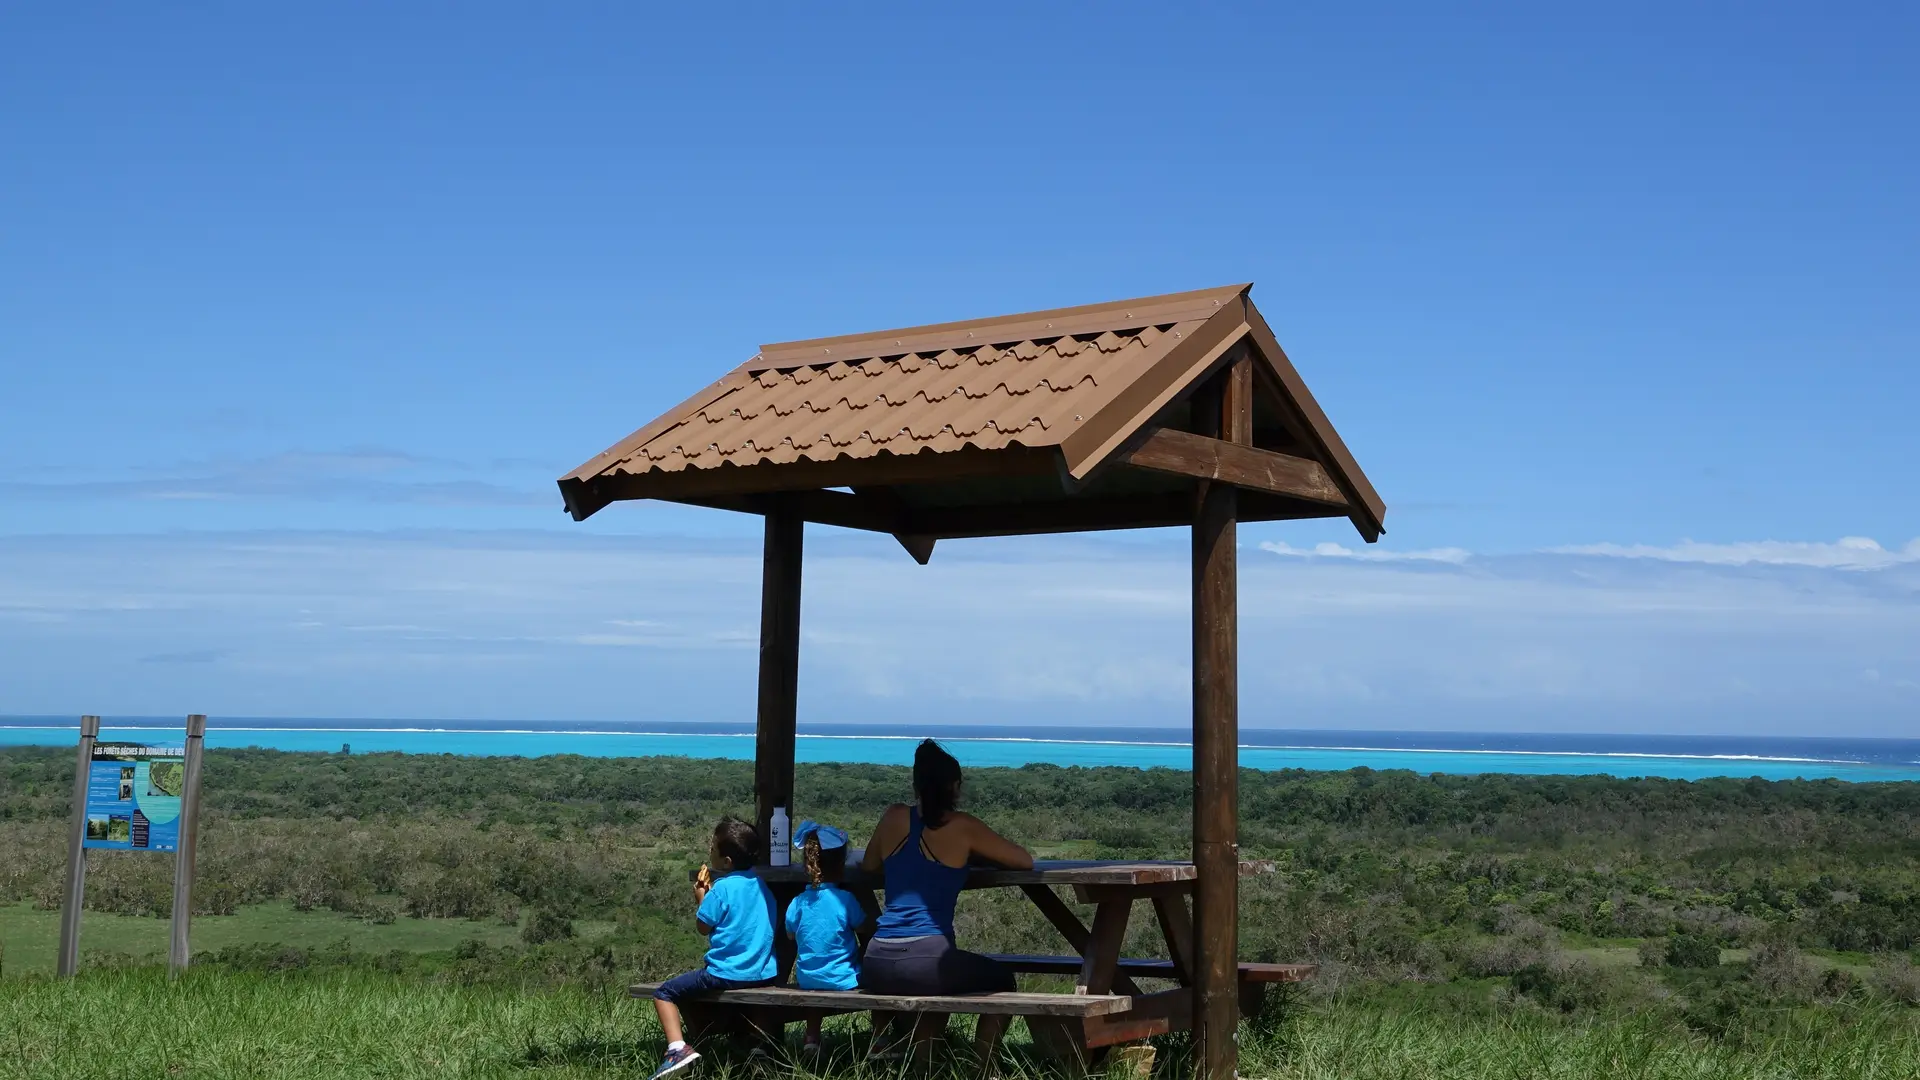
1029	740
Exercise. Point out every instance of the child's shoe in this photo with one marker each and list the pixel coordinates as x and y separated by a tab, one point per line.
675	1061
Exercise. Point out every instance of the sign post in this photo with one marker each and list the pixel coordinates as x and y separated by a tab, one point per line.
76	851
177	955
133	797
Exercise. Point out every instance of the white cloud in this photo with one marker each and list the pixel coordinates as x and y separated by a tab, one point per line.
1452	555
1847	553
1072	631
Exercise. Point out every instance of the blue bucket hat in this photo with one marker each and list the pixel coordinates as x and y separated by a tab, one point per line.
830	837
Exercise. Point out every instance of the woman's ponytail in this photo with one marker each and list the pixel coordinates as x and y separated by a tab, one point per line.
936	781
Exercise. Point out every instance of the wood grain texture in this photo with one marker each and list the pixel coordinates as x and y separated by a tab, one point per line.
1182	453
1093	874
1176	926
1216	765
1369	512
779	699
1100	963
1007	1004
1028	964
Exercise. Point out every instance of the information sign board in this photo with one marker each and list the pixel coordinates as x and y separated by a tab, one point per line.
133	796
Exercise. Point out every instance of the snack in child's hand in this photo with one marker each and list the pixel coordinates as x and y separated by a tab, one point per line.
704	879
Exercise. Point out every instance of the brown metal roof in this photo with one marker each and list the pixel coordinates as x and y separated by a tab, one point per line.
1066	387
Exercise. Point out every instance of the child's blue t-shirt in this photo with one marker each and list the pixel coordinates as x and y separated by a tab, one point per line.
822	922
739	908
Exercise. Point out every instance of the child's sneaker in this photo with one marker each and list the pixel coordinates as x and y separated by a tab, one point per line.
675	1061
810	1049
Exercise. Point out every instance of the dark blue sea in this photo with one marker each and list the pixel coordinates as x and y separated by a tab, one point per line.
1675	756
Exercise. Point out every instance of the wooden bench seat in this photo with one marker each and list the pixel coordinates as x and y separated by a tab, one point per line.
832	1001
1153	969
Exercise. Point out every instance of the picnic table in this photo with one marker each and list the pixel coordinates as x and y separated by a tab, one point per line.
1108	1006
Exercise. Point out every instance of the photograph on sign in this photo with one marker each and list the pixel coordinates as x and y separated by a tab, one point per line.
133	797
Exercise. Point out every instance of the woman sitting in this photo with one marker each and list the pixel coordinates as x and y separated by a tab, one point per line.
925	851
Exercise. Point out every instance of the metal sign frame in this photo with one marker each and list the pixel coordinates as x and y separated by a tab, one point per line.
178	952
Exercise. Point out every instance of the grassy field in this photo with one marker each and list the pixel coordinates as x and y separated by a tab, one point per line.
32	937
363	916
218	1024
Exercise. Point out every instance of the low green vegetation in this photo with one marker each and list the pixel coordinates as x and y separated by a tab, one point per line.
30	935
1465	926
218	1023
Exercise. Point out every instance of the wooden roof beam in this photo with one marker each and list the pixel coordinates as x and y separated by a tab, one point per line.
866	509
922	526
1182	453
884	469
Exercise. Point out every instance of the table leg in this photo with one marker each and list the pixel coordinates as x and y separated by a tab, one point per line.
986	1043
1100	962
1059	914
1077	935
1176	925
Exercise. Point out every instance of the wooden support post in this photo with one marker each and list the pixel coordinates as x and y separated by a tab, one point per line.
779	669
69	961
1216	736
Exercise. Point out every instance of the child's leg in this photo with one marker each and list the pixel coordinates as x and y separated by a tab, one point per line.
813	1027
669	1014
667	997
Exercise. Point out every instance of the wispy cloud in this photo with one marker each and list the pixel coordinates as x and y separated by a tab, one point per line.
1847	553
1063	630
364	474
1339	551
197	656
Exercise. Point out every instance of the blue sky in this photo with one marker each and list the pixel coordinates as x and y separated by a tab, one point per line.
302	311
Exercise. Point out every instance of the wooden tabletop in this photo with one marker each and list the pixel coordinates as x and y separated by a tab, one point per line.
1044	872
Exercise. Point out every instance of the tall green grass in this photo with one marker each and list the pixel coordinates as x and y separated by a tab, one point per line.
1334	1042
115	1025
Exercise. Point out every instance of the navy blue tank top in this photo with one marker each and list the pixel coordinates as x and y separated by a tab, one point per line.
921	891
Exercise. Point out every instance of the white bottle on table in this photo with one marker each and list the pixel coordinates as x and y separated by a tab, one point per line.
778	832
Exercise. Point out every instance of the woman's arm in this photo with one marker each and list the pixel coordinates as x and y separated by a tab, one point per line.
886	836
990	846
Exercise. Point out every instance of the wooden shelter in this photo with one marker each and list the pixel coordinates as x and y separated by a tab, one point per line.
1167	410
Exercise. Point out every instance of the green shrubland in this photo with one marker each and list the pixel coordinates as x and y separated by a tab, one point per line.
1535	924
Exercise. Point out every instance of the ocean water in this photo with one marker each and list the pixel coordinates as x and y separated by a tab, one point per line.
1674	756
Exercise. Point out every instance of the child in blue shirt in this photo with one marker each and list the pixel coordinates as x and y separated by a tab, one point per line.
736	916
824	921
